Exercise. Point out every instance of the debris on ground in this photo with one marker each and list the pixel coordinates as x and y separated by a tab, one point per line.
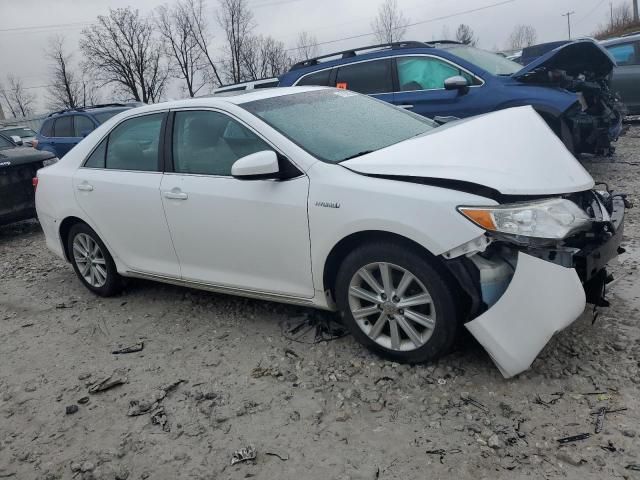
159	417
284	456
243	455
469	400
113	380
136	347
71	409
441	452
573	438
600	419
313	328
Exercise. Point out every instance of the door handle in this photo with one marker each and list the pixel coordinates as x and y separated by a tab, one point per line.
175	195
85	187
405	106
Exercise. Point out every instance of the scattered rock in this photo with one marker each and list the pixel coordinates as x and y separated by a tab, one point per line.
570	458
71	409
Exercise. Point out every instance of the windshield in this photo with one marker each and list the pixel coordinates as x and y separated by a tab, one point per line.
491	62
104	116
4	143
22	132
335	125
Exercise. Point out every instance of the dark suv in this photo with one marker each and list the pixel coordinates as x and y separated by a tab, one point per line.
568	86
63	130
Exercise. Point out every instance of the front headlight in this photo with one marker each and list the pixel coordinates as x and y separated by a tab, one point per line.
551	219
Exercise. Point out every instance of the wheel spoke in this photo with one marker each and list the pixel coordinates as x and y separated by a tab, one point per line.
385	273
362	294
420	299
79	248
85	269
409	330
395	334
99	261
420	319
96	249
406	280
365	312
101	273
371	281
376	330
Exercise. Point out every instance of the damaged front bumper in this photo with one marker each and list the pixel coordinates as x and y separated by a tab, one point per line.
520	296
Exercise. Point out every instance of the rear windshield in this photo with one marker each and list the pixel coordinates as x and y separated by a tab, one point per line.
102	117
335	125
491	62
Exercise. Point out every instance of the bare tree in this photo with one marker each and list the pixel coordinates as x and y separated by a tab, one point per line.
175	27
620	21
17	98
306	47
236	20
122	49
197	17
390	25
465	35
522	36
66	86
263	57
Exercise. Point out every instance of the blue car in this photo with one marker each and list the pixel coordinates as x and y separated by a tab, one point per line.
568	86
61	131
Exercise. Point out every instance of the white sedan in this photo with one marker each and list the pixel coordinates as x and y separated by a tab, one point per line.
334	200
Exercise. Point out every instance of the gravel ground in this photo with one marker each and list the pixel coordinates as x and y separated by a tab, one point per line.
219	373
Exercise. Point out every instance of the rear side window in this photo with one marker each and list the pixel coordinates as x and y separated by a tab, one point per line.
63	127
426	73
626	53
82	125
47	128
319	79
134	144
366	77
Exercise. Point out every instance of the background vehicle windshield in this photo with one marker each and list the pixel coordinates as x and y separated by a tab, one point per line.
334	125
491	62
104	116
4	143
21	132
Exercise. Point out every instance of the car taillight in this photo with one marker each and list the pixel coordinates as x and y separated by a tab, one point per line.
34	182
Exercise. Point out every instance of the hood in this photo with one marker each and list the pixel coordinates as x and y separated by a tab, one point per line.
511	151
10	157
574	58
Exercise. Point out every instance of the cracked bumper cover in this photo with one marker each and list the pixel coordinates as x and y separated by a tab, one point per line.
542	299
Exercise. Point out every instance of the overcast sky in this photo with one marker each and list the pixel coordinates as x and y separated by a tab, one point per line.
22	49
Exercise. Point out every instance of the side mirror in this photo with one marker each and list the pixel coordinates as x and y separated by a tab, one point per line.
257	166
457	82
17	140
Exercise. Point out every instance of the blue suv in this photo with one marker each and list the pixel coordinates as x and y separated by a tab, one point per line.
568	86
61	131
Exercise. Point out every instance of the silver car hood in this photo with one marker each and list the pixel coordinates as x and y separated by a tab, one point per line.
512	151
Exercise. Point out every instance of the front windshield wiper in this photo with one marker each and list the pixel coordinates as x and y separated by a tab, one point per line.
359	154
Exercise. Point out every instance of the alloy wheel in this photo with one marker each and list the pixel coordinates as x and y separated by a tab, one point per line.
90	260
392	306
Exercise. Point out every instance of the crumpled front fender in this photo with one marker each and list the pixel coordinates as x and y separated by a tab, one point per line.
542	299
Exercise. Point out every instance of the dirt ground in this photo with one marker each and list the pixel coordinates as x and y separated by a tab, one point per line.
327	410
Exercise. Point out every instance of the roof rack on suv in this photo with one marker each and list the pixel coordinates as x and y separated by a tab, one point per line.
445	42
353	52
89	107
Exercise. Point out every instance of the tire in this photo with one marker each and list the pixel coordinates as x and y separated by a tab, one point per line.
101	277
439	320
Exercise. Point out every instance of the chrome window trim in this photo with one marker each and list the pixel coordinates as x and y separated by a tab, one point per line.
396	57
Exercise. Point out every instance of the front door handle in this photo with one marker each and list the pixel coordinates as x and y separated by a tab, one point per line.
175	194
85	187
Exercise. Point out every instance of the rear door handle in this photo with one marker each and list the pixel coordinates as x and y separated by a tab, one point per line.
175	195
85	187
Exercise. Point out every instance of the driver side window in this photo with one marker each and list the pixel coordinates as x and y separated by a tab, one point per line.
426	73
209	143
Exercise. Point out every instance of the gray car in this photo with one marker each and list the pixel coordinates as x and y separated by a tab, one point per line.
626	76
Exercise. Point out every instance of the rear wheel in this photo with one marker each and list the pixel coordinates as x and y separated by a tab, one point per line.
397	302
92	262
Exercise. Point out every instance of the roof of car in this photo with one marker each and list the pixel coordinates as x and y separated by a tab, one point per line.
237	98
96	108
622	39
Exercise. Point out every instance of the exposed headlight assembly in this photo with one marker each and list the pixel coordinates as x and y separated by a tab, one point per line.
553	219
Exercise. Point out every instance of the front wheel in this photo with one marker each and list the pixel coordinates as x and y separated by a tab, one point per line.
92	262
397	302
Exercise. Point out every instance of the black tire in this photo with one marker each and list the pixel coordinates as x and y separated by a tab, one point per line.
113	282
433	277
